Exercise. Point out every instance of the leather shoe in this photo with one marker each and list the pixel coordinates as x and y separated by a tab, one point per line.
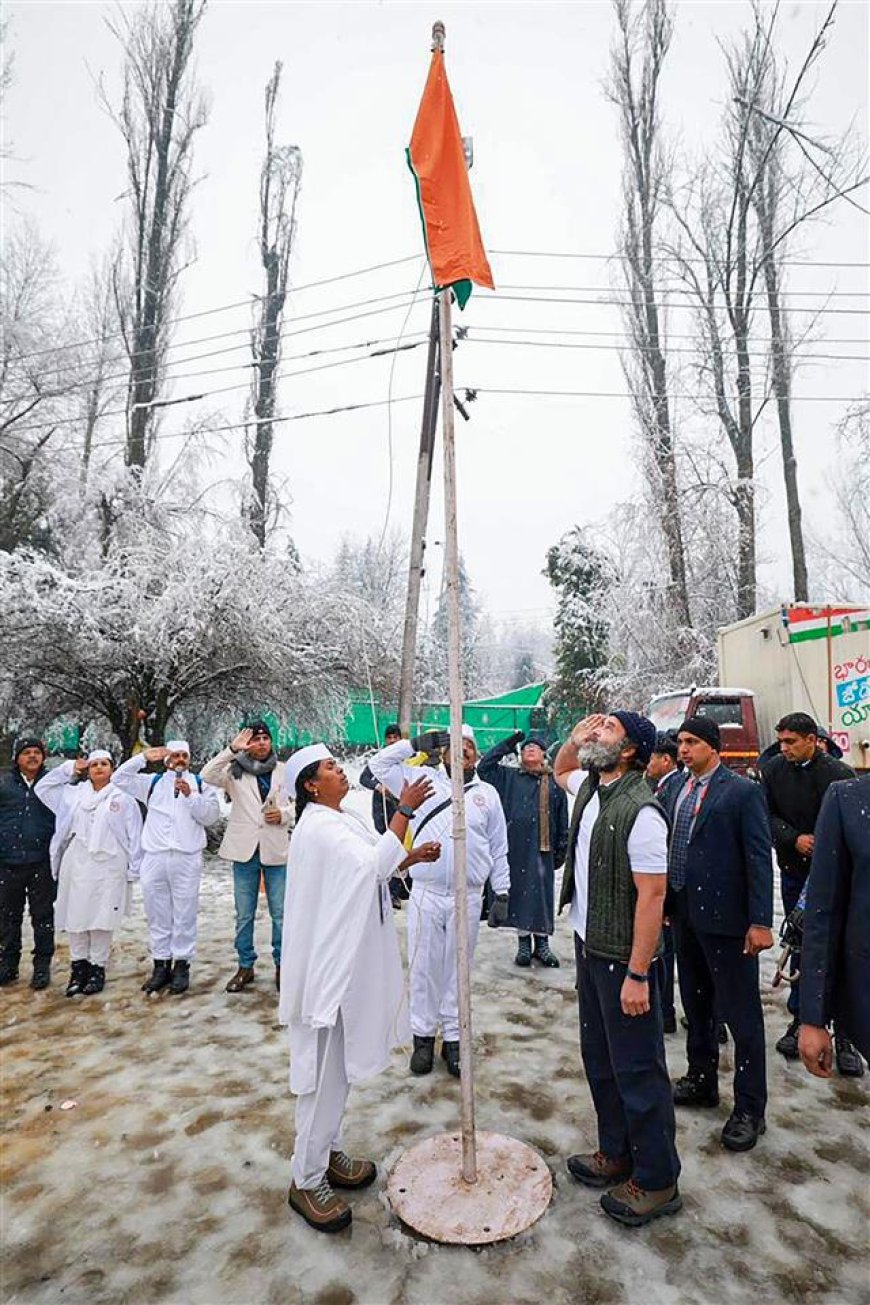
450	1056
243	976
693	1090
742	1131
788	1044
423	1055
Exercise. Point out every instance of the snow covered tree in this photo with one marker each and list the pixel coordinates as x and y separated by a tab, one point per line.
432	663
581	576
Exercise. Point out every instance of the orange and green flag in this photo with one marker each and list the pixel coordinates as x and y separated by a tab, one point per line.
437	159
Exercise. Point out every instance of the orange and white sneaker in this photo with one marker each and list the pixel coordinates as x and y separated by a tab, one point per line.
345	1172
319	1206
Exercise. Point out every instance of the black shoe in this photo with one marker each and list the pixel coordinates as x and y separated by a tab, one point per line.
8	974
424	1054
788	1044
80	972
96	980
669	1023
849	1062
160	976
41	973
742	1131
543	954
524	951
721	1032
180	981
695	1090
450	1056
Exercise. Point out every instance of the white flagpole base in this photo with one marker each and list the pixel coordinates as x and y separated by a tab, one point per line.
428	1193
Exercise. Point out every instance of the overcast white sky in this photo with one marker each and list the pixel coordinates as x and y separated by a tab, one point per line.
527	83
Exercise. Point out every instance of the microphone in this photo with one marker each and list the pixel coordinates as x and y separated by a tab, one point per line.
179	771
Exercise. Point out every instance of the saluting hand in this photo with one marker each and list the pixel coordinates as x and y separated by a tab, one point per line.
585	729
156	754
242	741
81	765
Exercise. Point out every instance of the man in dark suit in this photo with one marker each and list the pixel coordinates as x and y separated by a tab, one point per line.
665	776
835	958
720	902
794	785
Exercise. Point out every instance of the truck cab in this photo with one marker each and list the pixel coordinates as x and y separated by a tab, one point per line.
733	710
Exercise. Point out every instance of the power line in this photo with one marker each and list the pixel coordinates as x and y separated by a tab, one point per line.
664	291
658	258
667	336
624	394
224	308
604	302
629	346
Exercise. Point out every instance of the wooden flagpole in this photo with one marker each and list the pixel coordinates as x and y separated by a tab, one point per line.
454	672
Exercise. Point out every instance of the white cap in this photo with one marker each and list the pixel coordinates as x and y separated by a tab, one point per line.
100	754
468	733
304	757
177	745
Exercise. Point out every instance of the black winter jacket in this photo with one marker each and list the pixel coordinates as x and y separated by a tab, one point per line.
794	798
26	825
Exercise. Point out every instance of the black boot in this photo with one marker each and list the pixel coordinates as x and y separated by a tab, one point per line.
8	973
96	980
788	1044
78	977
849	1061
696	1090
543	954
41	972
524	951
424	1054
160	976
450	1056
180	981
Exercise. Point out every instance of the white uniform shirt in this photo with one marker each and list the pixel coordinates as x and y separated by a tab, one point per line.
647	848
173	824
486	829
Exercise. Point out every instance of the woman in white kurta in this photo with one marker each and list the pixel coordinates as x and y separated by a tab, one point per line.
342	986
94	854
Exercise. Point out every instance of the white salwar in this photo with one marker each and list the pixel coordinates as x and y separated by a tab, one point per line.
94	853
342	986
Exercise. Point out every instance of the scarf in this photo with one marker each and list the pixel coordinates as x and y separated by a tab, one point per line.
101	837
544	844
242	764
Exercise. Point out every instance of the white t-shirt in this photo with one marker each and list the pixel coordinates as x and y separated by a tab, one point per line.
647	849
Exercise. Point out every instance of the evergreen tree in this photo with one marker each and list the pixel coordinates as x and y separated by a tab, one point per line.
581	577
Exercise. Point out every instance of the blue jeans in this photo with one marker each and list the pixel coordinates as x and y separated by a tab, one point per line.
246	889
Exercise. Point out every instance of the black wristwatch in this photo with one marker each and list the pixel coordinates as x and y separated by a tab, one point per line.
638	978
406	811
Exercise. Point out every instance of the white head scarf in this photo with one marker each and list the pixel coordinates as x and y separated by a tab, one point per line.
468	733
100	754
304	757
177	745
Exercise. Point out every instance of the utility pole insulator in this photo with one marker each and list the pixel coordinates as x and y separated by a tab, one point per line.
438	34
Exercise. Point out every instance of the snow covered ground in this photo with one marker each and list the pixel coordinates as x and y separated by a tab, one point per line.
166	1181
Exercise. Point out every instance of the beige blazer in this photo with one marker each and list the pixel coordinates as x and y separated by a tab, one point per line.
247	830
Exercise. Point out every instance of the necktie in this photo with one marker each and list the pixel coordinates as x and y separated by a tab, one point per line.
680	839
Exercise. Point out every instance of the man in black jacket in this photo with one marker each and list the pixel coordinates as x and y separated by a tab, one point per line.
26	829
720	902
794	785
836	941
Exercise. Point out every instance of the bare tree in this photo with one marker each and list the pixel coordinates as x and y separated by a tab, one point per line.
280	179
636	64
160	113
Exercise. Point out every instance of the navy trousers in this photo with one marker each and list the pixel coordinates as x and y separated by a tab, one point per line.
791	885
34	885
624	1059
717	982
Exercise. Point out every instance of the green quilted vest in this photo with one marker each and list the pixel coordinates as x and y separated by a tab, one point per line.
612	894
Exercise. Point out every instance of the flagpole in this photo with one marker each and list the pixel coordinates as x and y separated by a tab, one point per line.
454	671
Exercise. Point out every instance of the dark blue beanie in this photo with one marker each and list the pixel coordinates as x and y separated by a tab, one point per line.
640	730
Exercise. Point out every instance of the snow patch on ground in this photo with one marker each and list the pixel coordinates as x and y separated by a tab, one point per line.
167	1181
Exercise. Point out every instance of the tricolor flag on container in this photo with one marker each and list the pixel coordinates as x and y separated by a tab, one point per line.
437	159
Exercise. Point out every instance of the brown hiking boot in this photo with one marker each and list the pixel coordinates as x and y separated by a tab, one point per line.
598	1170
630	1205
320	1206
242	977
344	1172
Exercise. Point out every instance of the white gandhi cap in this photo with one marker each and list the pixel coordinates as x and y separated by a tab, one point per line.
304	757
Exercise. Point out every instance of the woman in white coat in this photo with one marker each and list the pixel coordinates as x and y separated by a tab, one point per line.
342	989
94	857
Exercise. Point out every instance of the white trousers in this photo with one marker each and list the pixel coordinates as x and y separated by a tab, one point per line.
319	1113
432	960
91	945
170	891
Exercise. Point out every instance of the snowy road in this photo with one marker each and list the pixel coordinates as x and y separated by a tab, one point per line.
167	1180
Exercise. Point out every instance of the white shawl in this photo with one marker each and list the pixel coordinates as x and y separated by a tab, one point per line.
335	867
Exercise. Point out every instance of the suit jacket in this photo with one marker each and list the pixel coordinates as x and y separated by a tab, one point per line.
729	863
247	829
835	958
